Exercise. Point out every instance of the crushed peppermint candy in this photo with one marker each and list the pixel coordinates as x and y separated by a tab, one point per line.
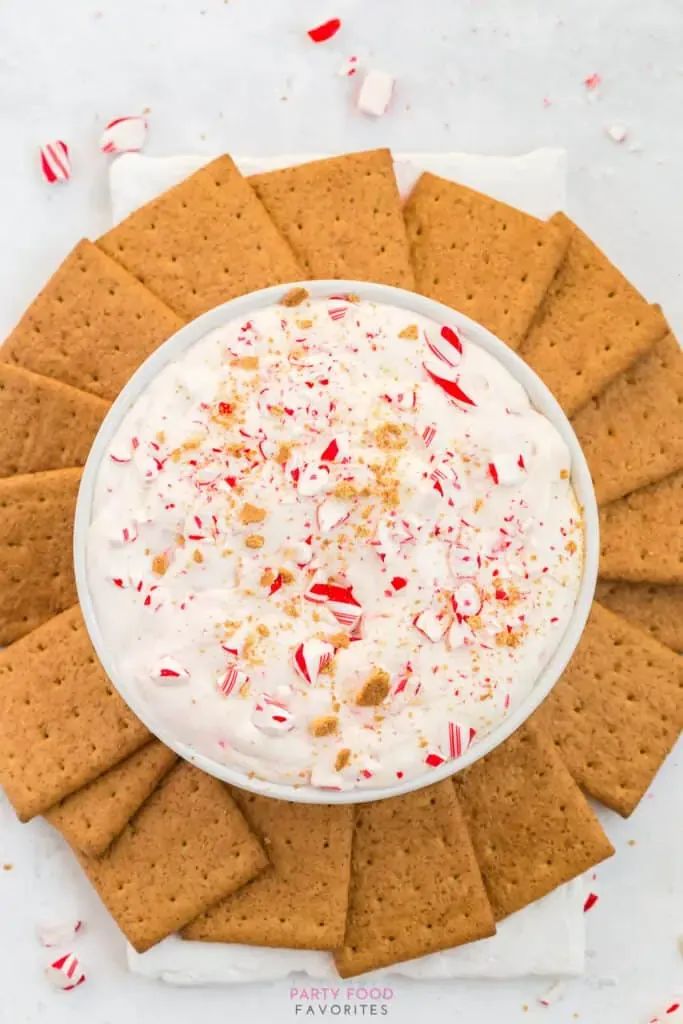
343	562
66	973
321	33
617	132
553	994
56	933
55	162
348	68
124	135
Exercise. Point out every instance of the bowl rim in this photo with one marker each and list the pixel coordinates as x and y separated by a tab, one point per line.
541	398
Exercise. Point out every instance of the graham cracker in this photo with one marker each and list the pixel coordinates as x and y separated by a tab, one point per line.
591	326
45	424
36	565
203	242
658	609
187	848
91	326
531	826
342	217
300	901
415	883
641	539
480	256
632	433
92	818
61	722
617	710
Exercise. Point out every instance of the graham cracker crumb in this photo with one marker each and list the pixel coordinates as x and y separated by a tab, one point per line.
505	639
245	362
284	453
304	324
7	867
180	540
254	540
294	297
345	490
160	436
252	514
374	689
410	332
292	609
390	435
263	630
326	725
191	444
564	474
570	546
267	578
160	564
197	556
286	575
342	759
339	640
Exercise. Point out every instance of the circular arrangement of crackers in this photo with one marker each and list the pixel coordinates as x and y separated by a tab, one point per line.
169	848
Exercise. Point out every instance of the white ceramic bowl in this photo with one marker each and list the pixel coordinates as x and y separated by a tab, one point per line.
541	398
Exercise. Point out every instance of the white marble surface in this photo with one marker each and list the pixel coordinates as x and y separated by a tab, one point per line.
471	76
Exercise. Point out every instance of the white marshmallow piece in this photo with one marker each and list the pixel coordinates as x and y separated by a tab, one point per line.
375	93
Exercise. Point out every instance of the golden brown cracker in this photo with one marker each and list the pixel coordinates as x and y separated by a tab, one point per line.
632	433
45	424
641	539
341	216
650	606
480	256
187	848
91	326
531	826
36	564
591	326
617	710
61	721
300	901
91	818
203	242
415	884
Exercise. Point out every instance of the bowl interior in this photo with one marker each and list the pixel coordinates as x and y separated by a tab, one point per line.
541	398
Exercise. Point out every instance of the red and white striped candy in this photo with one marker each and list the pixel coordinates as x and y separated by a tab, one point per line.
428	434
460	738
339	599
311	657
390	534
431	624
271	716
230	680
57	932
402	396
338	306
330	513
466	600
168	670
55	162
66	973
447	346
507	468
313	479
443	376
124	135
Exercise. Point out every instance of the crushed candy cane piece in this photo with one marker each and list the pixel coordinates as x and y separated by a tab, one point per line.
467	600
553	994
339	599
169	670
458	633
321	33
447	346
124	135
461	561
311	657
375	93
231	679
451	387
55	162
272	716
617	132
434	760
460	738
330	513
591	900
66	973
55	933
507	469
312	479
348	68
592	81
431	624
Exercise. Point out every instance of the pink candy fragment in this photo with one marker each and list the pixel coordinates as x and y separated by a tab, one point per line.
56	933
124	135
230	680
169	670
272	716
375	93
66	973
348	67
330	513
55	162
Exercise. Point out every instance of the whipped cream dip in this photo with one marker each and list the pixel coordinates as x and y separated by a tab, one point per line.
334	544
